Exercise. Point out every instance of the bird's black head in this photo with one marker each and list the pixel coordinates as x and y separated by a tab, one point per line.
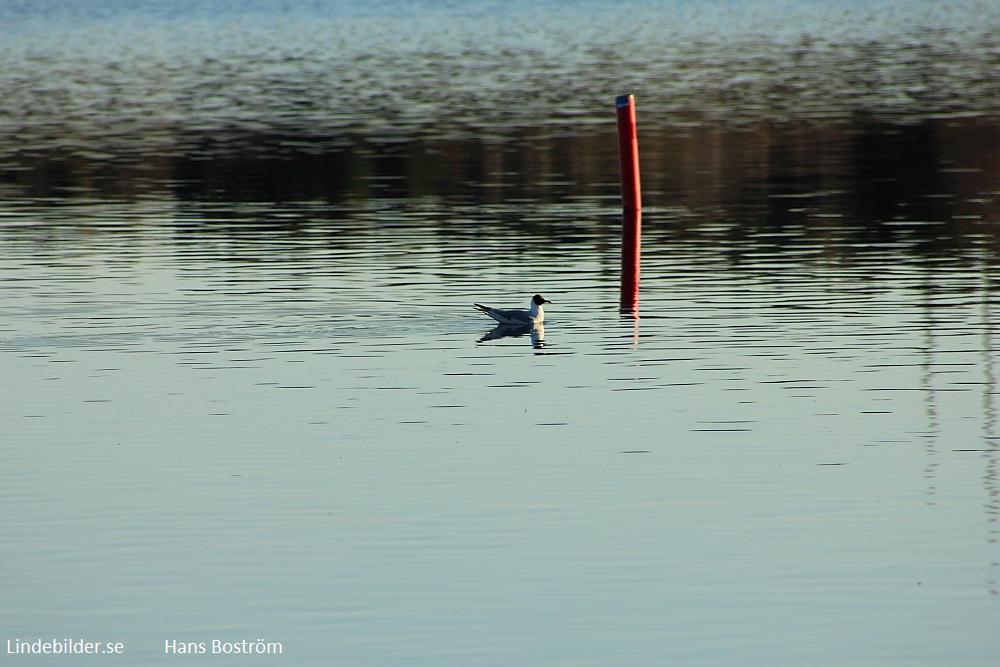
539	300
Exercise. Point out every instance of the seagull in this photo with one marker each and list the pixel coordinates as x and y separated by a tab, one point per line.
531	317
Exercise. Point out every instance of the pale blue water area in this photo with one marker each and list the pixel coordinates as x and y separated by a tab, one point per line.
245	394
294	434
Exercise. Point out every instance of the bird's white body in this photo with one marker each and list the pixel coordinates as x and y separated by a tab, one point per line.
534	315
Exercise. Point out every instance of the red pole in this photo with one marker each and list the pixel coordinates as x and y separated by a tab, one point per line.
628	157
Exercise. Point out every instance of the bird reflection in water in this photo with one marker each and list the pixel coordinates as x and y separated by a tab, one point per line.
536	332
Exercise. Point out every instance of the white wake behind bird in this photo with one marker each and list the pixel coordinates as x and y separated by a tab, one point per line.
534	315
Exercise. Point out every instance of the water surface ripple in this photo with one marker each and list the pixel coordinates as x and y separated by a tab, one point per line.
150	79
246	394
311	407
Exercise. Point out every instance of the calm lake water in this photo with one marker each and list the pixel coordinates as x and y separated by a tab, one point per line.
246	395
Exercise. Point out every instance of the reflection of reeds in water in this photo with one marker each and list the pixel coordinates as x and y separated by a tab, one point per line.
935	182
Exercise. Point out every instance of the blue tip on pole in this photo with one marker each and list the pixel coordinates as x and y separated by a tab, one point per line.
628	157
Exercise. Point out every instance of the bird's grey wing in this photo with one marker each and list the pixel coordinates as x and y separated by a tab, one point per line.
495	313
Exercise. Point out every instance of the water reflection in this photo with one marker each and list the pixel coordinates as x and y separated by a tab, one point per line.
833	190
824	392
536	333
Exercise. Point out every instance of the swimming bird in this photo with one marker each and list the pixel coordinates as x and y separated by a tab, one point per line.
534	315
